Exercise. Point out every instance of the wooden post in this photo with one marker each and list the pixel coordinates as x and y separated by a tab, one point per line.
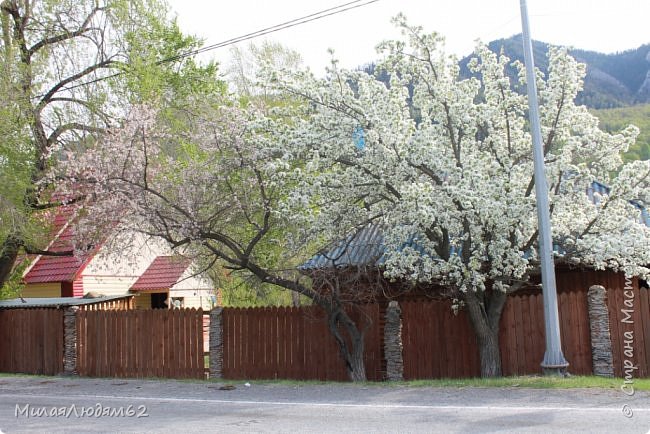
70	340
216	343
393	343
601	343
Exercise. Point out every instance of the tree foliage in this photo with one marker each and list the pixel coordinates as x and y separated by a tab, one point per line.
70	71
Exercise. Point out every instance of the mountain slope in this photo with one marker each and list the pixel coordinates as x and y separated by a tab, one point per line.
612	80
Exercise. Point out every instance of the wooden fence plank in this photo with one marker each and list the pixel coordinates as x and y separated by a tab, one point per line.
296	342
644	338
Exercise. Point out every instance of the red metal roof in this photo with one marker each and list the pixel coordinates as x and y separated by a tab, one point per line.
57	268
54	269
163	273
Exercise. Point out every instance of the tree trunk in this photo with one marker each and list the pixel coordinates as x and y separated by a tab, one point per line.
357	370
488	347
484	310
351	349
8	254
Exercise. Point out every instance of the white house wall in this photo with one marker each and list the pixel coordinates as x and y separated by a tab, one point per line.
187	281
119	262
198	298
126	255
108	285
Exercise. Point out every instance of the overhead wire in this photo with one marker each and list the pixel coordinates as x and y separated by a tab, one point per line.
287	24
272	29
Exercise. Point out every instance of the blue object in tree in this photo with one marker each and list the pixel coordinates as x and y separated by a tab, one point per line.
645	216
359	139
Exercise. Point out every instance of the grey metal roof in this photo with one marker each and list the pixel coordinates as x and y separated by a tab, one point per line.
17	303
366	246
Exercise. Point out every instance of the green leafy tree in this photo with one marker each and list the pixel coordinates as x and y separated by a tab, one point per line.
71	69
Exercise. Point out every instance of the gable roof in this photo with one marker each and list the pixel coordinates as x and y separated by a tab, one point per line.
163	273
365	247
45	268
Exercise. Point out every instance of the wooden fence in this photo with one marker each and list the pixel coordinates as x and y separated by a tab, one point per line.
522	338
140	343
31	341
637	327
439	344
119	304
270	343
294	343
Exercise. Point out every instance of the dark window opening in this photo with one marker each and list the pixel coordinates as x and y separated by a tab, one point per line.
158	300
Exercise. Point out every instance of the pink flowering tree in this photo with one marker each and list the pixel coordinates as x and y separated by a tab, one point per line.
212	189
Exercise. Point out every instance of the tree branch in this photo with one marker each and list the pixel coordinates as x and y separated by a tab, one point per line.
67	35
50	93
72	126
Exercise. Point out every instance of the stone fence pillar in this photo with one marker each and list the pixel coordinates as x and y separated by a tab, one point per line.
216	342
70	340
601	343
393	343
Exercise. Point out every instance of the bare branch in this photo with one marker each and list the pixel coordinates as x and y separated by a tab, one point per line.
84	28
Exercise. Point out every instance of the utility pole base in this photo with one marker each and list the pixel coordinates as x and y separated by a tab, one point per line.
555	371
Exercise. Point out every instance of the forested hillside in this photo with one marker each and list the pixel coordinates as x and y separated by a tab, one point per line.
613	120
613	80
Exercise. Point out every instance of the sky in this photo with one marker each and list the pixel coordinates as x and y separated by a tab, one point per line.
601	25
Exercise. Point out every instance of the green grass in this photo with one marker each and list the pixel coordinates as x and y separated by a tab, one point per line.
533	382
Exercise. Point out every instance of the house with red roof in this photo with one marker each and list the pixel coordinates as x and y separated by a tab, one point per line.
123	264
169	282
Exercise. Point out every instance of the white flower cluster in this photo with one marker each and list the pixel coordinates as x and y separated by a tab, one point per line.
446	167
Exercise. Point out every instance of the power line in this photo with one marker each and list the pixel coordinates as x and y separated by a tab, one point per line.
285	25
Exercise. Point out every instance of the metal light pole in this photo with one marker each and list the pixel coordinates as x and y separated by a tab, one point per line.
554	362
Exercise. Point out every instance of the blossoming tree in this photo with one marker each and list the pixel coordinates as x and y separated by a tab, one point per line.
447	162
212	187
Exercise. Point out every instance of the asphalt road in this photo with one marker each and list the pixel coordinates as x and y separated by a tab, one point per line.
53	404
